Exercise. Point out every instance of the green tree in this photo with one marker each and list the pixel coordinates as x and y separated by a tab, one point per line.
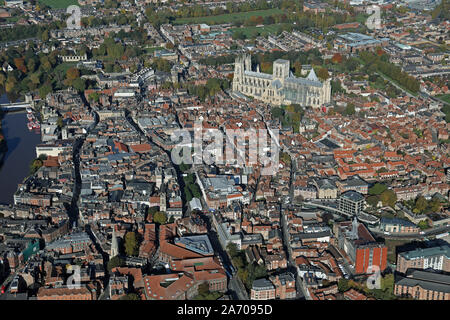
377	189
59	122
94	96
151	212
187	193
71	75
349	109
434	205
238	35
35	165
343	285
336	87
2	78
131	244
160	217
421	204
161	65
79	84
115	262
232	249
389	198
323	74
130	296
373	200
45	36
381	170
44	90
277	112
35	78
423	224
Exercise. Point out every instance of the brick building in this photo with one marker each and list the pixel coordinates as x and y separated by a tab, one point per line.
174	286
362	248
396	225
423	285
284	286
262	289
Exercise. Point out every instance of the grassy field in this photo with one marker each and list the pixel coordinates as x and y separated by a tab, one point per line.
13	19
445	97
392	244
362	18
63	67
153	49
59	4
263	31
229	17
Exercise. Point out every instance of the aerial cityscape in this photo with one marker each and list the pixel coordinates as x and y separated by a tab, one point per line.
224	150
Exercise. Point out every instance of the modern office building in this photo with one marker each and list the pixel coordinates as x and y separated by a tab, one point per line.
351	202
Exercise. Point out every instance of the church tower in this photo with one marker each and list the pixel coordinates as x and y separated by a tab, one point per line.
162	202
238	76
281	69
248	62
114	244
327	91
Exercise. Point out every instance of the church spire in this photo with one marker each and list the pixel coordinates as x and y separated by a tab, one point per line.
312	75
355	226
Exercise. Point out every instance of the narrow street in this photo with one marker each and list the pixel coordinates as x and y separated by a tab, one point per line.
74	211
292	267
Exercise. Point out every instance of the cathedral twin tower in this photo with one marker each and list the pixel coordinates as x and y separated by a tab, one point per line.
281	87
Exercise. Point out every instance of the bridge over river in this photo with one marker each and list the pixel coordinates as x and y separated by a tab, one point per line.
15	106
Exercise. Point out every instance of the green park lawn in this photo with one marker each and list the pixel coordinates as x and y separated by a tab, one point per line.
63	67
263	31
229	17
153	49
391	245
59	4
444	97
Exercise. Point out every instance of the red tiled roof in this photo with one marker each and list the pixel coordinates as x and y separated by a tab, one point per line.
140	148
177	252
154	289
122	147
352	294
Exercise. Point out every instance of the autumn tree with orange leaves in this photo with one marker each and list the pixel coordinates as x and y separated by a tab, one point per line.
20	64
337	58
71	75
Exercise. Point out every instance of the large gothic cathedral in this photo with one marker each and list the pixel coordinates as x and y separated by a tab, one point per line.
281	87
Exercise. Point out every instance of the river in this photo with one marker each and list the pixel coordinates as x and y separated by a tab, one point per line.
21	151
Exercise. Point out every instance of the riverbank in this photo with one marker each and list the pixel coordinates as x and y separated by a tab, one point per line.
3	144
4	98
